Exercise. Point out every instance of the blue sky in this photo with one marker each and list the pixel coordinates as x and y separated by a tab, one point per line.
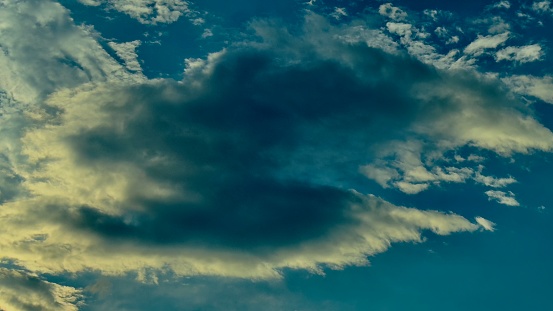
276	155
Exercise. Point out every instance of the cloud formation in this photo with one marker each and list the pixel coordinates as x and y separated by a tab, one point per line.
127	52
502	197
248	165
483	43
23	291
538	87
232	171
520	54
148	11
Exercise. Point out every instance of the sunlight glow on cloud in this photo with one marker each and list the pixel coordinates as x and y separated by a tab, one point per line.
23	291
251	164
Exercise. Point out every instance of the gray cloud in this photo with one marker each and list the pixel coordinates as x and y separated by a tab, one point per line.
24	291
246	167
240	162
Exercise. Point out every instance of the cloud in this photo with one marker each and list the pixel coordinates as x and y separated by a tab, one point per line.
200	293
486	224
482	43
541	6
392	12
339	13
127	52
504	4
492	181
149	11
231	172
57	53
521	54
410	175
539	87
505	198
247	166
24	291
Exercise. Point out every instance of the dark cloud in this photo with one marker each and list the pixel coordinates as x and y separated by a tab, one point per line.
228	141
256	142
249	161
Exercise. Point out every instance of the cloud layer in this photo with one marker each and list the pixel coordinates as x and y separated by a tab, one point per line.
232	171
247	166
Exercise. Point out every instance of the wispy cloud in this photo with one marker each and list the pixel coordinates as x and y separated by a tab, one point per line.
520	54
505	198
483	43
149	11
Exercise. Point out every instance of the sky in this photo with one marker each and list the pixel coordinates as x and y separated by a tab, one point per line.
276	155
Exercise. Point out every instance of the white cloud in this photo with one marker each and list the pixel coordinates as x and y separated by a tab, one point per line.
24	291
127	52
55	54
401	29
453	113
521	54
392	12
207	33
492	181
486	224
482	43
411	188
407	173
505	198
381	174
453	40
539	87
498	25
542	6
339	13
149	11
432	13
475	158
376	225
504	4
55	175
91	2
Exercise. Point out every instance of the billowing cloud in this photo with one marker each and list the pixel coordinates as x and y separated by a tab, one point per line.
24	291
248	165
231	172
339	13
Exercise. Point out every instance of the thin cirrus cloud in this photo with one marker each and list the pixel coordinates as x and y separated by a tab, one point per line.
237	170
